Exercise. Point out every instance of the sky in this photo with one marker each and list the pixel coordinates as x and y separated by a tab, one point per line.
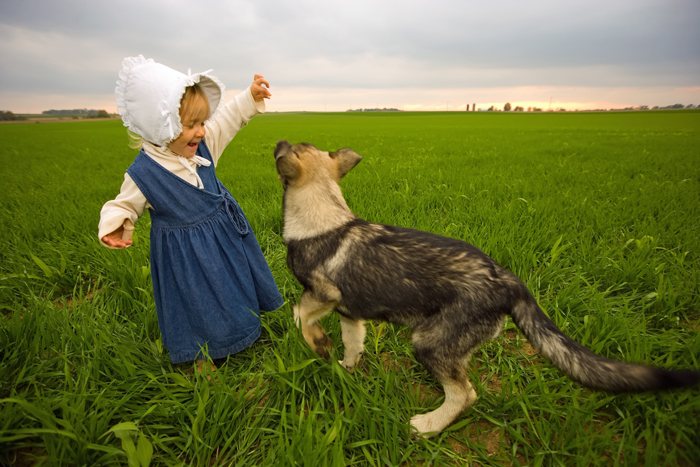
333	56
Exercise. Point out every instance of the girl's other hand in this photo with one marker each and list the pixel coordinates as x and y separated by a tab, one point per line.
257	89
114	239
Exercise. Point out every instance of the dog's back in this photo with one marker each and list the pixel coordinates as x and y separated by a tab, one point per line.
402	275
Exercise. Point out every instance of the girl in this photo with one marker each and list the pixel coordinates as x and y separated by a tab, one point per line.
210	279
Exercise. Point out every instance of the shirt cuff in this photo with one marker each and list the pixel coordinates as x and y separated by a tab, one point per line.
247	105
260	106
111	226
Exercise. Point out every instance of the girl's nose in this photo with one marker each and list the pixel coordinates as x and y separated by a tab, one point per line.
201	131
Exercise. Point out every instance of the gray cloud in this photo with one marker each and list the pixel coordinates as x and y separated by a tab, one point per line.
76	46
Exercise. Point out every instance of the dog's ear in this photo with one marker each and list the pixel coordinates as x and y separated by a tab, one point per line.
282	147
287	162
347	159
288	167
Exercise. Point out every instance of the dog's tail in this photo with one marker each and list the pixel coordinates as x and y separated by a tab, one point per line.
589	369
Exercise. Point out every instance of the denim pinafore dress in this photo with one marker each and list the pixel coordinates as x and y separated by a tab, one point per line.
210	278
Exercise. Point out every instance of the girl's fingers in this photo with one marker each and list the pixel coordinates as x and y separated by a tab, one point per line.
260	81
117	243
260	93
260	88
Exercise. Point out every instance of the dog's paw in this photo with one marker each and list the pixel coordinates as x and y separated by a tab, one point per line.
297	315
322	346
424	426
350	368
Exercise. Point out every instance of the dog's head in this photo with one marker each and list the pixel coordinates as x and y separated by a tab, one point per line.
303	163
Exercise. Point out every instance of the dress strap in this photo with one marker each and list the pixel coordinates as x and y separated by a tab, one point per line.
235	213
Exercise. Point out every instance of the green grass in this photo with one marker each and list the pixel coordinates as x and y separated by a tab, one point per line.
598	213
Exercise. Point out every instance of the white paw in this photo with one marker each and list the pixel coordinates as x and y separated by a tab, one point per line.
297	315
471	398
350	368
425	425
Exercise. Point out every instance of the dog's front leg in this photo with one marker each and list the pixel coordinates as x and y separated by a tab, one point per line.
306	314
354	341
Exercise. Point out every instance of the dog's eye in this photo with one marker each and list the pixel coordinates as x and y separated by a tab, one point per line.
296	154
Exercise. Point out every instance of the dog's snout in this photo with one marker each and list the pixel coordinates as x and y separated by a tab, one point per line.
282	145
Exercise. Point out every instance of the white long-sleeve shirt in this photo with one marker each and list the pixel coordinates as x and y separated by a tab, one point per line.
128	206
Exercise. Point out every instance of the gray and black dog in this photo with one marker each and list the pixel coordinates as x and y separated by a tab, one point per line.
453	296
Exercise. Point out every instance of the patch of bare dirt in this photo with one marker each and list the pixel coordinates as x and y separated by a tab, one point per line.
486	434
391	362
694	324
71	303
27	457
492	382
528	349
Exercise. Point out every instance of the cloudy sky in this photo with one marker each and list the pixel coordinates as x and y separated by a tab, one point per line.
332	55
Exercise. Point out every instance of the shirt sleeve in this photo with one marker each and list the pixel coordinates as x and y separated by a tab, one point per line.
123	211
229	120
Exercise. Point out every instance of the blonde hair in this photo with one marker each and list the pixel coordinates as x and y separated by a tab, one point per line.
135	140
194	105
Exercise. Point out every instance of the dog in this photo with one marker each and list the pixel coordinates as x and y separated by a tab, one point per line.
451	294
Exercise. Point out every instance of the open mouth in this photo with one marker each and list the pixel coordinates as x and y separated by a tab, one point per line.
191	145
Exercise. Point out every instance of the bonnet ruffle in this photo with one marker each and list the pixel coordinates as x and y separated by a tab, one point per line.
148	97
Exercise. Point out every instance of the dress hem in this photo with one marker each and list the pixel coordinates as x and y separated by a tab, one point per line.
181	357
272	305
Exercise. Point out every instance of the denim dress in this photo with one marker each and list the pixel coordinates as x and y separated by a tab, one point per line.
210	278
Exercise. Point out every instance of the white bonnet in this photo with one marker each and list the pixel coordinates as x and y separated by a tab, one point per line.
149	94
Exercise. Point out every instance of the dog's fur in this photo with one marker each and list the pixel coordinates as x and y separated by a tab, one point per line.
453	296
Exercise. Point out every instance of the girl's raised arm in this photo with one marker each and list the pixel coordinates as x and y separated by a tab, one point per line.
235	115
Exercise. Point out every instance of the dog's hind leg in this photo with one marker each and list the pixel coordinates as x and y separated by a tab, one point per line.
307	313
449	366
354	341
459	395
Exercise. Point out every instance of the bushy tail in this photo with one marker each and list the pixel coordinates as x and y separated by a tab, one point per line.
589	369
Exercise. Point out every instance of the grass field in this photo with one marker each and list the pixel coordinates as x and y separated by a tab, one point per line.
598	213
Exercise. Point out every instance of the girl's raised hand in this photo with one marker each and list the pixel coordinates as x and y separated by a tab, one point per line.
257	89
114	239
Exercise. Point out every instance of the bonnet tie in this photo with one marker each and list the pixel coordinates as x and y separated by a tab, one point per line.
197	160
167	121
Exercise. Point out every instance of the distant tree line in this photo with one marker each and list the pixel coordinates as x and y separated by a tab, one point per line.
89	113
70	112
675	106
375	110
8	116
508	107
518	108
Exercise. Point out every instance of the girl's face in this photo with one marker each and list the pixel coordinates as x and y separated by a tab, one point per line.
186	144
193	130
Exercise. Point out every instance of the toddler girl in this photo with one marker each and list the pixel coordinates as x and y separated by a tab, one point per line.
210	279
